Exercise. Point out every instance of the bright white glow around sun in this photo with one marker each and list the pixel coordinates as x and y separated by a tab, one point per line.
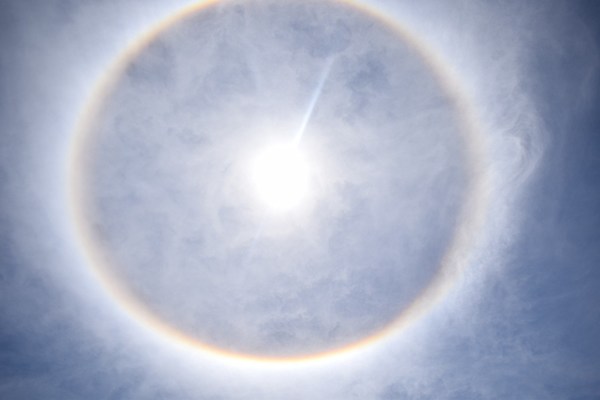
280	175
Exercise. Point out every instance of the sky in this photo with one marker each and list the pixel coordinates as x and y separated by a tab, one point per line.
442	241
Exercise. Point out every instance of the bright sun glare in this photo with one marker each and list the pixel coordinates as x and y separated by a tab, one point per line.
280	177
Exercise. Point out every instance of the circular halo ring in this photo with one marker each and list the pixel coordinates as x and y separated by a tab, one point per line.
449	269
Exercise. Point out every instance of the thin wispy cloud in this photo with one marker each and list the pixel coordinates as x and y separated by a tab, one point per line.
450	152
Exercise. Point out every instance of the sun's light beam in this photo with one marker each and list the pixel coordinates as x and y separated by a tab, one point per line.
313	102
280	172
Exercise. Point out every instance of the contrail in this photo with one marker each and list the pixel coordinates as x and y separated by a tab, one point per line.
313	101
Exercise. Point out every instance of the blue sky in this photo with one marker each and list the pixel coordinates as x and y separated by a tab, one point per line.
464	148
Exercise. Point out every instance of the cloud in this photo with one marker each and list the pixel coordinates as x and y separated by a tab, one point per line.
168	199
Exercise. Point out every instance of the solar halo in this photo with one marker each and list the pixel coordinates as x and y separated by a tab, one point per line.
449	264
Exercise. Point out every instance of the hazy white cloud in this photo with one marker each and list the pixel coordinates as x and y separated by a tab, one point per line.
171	203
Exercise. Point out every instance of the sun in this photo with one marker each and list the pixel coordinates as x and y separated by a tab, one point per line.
280	175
